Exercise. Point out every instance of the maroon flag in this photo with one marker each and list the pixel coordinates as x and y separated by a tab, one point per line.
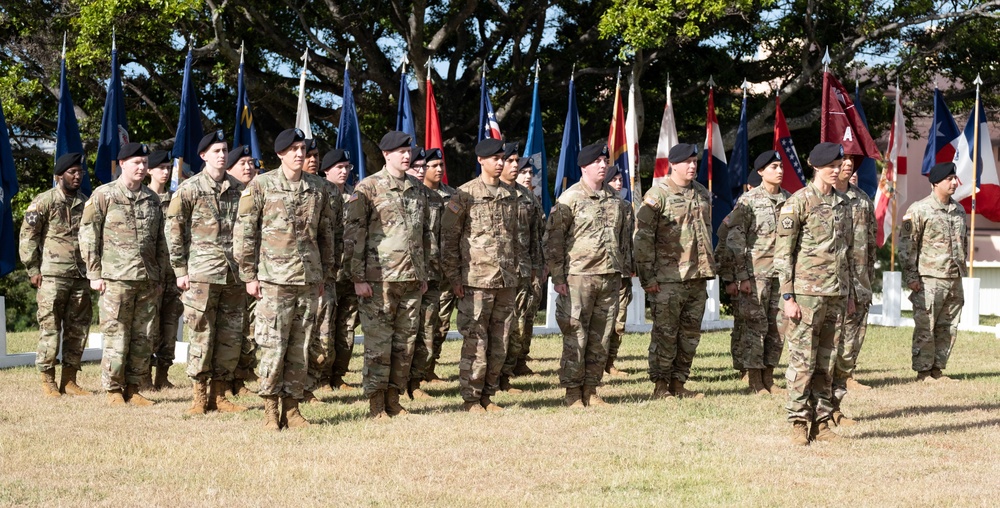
841	123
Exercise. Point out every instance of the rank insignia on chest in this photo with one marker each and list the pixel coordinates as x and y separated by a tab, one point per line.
787	223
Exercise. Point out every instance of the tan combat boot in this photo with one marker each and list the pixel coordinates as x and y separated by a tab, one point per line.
338	383
49	387
854	385
591	398
199	399
290	414
115	398
661	390
925	377
68	384
521	368
240	388
821	432
489	405
505	385
800	434
415	392
133	397
840	420
677	388
376	405
271	412
219	402
473	407
392	406
767	377
615	372
161	380
574	397
755	382
939	376
308	397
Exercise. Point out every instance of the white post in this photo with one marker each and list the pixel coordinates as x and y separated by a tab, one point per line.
970	311
712	305
637	309
892	297
550	307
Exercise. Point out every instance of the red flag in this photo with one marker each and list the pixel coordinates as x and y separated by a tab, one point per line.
841	123
432	127
792	178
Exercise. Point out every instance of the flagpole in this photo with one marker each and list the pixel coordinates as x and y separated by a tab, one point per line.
114	156
895	183
711	85
975	169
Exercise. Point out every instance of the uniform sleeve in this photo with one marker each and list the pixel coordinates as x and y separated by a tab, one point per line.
872	245
92	234
337	223
644	241
853	268
537	232
356	213
162	252
453	223
178	231
724	258
560	220
911	234
628	228
740	223
246	236
326	237
36	221
787	244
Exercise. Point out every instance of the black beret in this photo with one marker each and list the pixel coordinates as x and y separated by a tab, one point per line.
526	162
764	159
158	157
433	154
510	149
129	150
941	171
612	171
211	139
312	145
825	153
417	153
334	156
286	138
754	179
590	153
236	154
682	152
393	140
489	147
67	161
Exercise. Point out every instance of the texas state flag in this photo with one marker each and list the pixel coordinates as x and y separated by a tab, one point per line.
942	140
987	201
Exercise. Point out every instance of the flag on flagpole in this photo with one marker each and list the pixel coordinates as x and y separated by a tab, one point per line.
632	142
618	143
568	172
868	179
8	189
841	123
302	122
535	148
988	195
942	140
713	172
245	133
792	177
349	132
488	125
891	191
404	111
114	125
668	138
187	162
67	128
432	126
739	162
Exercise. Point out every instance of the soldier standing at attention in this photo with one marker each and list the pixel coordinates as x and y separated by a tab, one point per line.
479	256
526	176
50	251
337	167
418	163
286	272
814	264
673	255
752	240
615	181
933	250
200	223
171	307
433	175
311	163
726	271
241	165
583	238
122	243
386	244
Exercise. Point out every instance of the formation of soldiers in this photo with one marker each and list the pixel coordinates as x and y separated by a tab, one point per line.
285	264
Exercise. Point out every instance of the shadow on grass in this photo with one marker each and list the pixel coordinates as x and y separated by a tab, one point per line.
922	410
973	375
936	429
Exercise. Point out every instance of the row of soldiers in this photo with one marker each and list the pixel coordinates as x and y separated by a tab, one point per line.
400	250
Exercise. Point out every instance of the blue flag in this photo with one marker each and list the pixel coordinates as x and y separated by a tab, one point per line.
489	127
114	125
189	131
568	172
404	112
739	160
942	140
349	133
245	132
8	189
535	148
68	130
867	172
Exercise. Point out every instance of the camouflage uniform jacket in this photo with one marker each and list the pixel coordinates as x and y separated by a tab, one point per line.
672	241
530	232
342	275
725	261
121	234
753	233
436	201
479	231
865	229
584	233
336	201
813	255
200	222
625	241
295	220
387	230
934	240
50	243
168	272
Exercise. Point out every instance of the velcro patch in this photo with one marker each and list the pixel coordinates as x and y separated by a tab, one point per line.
787	223
353	198
786	209
454	207
651	202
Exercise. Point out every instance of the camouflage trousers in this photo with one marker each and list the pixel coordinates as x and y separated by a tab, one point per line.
624	300
214	315
389	320
855	327
284	322
737	336
812	346
165	340
763	318
130	315
485	318
63	308
677	313
525	307
586	319
248	347
345	321
427	331
446	306
937	308
321	350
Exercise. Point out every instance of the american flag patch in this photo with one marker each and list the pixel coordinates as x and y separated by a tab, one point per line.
786	209
453	206
651	202
354	197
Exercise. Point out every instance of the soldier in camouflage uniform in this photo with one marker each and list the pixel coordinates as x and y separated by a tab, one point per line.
615	181
241	165
122	243
345	309
531	228
480	257
285	272
438	287
674	260
933	249
856	324
387	243
200	223
171	308
583	238
815	267
751	241
50	251
311	163
727	280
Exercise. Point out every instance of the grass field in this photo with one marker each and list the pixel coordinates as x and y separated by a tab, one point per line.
916	445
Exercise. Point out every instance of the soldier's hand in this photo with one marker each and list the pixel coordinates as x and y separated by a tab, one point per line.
183	283
36	280
731	289
914	286
562	289
363	289
98	285
653	289
792	310
745	287
423	286
253	289
459	290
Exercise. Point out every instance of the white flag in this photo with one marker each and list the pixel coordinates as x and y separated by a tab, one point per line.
668	138
302	114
